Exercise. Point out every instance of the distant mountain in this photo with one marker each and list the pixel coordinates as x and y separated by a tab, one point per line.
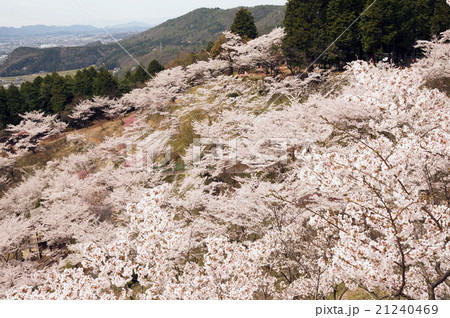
129	27
44	30
34	31
190	32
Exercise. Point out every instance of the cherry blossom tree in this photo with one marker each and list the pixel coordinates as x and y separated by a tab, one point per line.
146	254
263	51
34	128
392	178
229	49
292	189
86	110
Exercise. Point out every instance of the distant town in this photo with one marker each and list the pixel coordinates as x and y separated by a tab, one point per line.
16	81
9	45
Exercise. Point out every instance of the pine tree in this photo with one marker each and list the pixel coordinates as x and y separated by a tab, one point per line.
340	15
45	94
69	87
3	107
387	27
127	83
61	95
244	24
84	83
305	36
140	76
209	46
155	67
26	91
105	84
404	22
79	84
441	17
376	27
36	99
14	105
90	74
30	94
423	13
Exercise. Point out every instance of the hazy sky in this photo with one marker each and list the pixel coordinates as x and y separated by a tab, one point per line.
108	12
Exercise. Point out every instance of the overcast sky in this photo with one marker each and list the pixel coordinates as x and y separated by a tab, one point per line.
17	13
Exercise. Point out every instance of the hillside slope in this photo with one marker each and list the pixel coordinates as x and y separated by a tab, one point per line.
190	32
239	187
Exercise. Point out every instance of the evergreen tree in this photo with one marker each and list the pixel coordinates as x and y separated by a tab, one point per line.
209	46
423	12
217	47
45	94
70	83
155	67
3	107
90	74
83	84
105	84
30	94
441	17
78	84
405	20
14	105
36	99
140	76
244	24
192	58
127	83
26	91
305	36
340	15
377	29
61	94
387	27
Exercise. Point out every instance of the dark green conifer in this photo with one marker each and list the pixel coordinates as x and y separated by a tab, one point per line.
3	108
105	84
14	105
340	15
140	75
154	67
45	94
61	94
423	11
441	17
244	24
305	30
30	94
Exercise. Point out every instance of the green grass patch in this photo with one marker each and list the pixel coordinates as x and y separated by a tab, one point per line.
278	99
154	120
185	135
441	83
233	95
48	151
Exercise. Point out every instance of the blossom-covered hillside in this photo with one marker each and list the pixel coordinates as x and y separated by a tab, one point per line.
215	186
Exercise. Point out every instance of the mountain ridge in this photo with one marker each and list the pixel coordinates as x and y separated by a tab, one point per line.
190	32
30	31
